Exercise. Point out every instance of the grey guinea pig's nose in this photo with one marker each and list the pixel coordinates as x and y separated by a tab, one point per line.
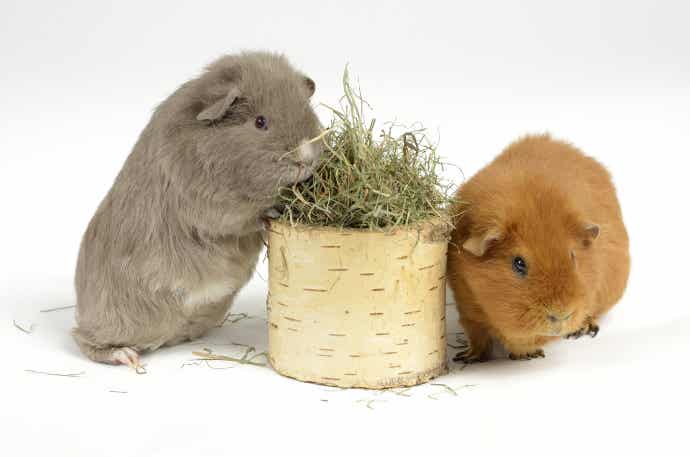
307	152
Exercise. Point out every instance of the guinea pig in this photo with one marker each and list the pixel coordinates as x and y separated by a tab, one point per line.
539	250
180	231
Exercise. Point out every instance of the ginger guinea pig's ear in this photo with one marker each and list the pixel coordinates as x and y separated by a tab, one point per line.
310	85
220	108
590	232
479	243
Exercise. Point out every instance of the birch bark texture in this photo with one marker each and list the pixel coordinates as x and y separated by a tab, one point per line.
357	308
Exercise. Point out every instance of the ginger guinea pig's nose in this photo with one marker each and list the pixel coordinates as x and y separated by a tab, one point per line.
558	321
556	317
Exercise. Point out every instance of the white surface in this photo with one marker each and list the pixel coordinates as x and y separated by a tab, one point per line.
78	82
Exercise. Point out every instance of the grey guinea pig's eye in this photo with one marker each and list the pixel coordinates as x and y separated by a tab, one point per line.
520	266
261	123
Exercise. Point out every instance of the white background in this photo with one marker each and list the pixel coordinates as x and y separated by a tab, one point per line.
78	83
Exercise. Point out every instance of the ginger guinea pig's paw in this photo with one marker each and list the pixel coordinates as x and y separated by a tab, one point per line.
590	328
469	355
539	353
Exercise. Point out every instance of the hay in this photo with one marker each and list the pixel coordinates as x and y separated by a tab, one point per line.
60	308
369	402
368	182
248	358
64	375
448	390
28	331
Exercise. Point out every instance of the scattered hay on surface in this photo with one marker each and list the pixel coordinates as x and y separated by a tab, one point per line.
446	389
65	375
401	391
364	181
248	358
59	308
233	318
28	331
370	402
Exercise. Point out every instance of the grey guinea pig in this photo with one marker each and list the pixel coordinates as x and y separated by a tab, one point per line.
180	231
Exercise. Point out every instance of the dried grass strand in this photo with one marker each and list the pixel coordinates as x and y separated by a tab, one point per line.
59	308
28	331
247	359
369	181
64	375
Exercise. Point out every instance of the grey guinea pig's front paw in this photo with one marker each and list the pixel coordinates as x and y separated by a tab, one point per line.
266	217
271	213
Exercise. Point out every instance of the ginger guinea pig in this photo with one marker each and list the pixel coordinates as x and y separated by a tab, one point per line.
180	231
539	250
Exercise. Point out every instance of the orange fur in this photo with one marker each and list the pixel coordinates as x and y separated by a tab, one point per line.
545	201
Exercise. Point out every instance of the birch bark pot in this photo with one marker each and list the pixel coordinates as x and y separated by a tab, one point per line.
357	308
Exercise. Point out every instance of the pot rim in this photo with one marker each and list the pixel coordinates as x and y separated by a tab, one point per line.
434	222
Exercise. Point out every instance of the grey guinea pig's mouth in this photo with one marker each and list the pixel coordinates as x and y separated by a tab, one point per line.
306	173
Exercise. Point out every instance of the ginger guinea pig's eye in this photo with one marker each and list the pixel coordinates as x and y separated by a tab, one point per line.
520	266
261	123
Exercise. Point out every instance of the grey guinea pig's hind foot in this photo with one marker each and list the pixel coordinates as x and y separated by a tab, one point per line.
127	356
115	355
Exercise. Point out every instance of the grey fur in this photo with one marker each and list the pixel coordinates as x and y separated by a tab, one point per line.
185	210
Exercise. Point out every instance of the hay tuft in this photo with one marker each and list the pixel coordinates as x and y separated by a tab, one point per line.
28	330
369	182
59	308
64	375
248	358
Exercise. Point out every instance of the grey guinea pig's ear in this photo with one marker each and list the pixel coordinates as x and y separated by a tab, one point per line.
220	108
310	85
